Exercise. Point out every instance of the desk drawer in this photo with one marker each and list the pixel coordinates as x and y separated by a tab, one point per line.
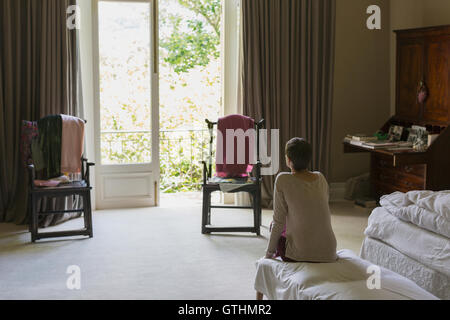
417	170
397	178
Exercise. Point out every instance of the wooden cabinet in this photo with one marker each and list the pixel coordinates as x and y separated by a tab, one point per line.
410	73
437	75
423	60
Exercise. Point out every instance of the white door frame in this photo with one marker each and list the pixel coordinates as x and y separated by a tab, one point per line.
135	185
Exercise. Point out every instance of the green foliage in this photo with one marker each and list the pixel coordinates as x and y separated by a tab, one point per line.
123	148
180	158
195	42
210	10
183	176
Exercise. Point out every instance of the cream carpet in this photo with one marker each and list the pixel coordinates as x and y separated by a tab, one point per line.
152	253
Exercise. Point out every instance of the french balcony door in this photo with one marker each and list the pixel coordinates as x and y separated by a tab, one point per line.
127	103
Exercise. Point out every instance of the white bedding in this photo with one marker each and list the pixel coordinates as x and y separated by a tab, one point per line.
426	209
384	255
345	279
428	248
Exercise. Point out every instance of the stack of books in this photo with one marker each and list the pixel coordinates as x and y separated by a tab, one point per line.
387	145
359	139
369	142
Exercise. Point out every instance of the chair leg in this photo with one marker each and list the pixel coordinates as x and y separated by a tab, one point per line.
29	213
205	210
34	218
85	213
255	214
88	212
259	209
208	220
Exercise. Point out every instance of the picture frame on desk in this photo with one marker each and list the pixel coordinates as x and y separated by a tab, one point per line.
396	133
418	136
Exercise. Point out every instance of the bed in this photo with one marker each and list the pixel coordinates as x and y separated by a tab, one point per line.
346	279
409	234
427	278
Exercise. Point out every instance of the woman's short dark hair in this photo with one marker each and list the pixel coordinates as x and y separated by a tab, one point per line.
299	151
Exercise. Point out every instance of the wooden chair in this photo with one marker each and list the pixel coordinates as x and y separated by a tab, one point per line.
81	188
251	186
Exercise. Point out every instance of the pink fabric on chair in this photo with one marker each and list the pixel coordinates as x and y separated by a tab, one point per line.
29	132
46	183
234	170
72	144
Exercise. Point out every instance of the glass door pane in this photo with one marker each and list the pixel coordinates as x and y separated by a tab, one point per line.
190	88
125	82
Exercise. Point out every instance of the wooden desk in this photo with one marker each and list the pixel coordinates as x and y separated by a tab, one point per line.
392	171
405	171
423	61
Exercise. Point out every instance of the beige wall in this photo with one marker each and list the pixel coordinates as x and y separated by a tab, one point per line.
364	96
361	90
436	12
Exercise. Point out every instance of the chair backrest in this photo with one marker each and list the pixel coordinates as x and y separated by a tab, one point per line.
61	148
242	127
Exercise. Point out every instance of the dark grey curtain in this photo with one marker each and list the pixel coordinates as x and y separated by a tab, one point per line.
38	77
287	73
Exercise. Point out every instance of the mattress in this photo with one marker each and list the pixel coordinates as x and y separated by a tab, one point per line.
345	279
428	248
427	278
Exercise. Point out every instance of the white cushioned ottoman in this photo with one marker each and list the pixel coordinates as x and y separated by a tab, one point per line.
345	279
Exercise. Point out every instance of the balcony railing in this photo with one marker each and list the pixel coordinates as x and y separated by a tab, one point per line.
126	147
181	152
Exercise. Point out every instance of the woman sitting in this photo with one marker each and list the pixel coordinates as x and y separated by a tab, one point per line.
301	227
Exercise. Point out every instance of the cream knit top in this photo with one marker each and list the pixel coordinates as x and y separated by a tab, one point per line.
303	207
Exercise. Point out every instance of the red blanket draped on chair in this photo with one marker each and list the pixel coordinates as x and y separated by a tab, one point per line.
234	170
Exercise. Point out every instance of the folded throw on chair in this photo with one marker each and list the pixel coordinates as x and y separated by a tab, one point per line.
50	131
72	144
232	170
